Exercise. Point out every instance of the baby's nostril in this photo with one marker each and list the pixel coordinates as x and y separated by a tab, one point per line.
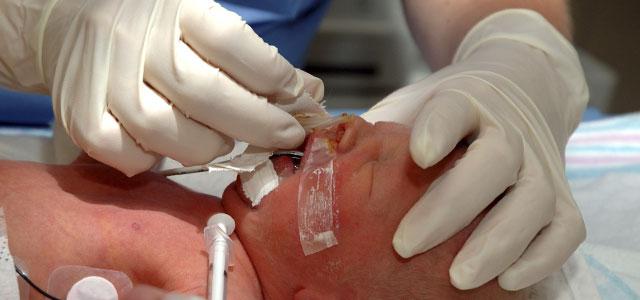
348	133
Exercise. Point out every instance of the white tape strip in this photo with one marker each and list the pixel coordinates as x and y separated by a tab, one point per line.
259	183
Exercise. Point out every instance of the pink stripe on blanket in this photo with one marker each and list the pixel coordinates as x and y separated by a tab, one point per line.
602	160
605	138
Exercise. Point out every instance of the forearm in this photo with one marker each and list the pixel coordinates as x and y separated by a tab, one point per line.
88	214
438	26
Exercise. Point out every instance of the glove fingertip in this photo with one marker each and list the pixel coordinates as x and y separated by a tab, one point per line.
130	172
401	246
423	151
288	137
293	87
130	167
463	276
407	241
518	277
509	282
313	85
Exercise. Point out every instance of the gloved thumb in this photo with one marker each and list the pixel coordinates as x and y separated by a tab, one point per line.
434	134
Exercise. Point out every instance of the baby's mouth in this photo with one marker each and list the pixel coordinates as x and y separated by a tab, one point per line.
286	166
320	147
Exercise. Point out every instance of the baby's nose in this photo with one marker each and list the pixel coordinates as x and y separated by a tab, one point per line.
353	129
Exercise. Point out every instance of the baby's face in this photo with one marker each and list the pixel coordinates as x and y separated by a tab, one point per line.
376	183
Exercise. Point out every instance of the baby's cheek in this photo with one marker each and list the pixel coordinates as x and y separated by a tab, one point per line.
352	195
360	219
270	228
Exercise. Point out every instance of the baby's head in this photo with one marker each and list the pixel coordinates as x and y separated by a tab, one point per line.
376	183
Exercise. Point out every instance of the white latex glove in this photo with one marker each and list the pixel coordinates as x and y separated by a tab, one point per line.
133	80
516	91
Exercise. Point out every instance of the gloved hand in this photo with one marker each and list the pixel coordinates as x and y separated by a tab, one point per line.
515	91
132	80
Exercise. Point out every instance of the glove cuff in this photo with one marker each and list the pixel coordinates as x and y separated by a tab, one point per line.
22	31
530	28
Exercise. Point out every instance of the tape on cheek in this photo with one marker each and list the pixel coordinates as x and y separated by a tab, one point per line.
257	184
316	192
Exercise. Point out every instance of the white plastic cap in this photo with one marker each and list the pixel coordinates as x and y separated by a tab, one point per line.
224	219
93	288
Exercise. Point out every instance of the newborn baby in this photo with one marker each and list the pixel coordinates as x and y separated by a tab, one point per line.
151	229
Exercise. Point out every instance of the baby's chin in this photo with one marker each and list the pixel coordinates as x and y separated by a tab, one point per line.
234	200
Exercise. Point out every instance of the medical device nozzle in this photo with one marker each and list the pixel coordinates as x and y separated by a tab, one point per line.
231	165
218	245
223	221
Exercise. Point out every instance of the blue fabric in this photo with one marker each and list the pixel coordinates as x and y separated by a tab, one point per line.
287	24
25	109
592	114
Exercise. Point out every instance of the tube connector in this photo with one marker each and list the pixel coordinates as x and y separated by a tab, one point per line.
218	244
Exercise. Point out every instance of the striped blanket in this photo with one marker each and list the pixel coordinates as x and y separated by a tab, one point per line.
604	146
603	168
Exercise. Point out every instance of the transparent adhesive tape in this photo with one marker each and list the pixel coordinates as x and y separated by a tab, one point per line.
259	182
63	278
316	198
